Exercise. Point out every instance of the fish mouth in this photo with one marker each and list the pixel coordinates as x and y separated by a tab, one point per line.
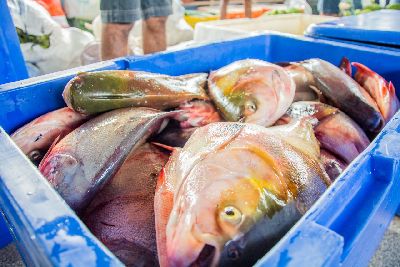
206	257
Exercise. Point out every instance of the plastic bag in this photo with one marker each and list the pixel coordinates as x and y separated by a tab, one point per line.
55	10
82	9
47	47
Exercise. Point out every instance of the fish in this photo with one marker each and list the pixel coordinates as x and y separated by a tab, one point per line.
173	135
251	91
306	89
228	178
196	113
100	91
382	92
36	137
192	115
341	91
81	163
121	215
336	132
332	165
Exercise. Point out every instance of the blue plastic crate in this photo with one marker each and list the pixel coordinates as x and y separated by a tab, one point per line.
344	227
377	28
12	67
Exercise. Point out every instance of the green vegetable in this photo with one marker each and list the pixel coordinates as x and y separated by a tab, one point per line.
41	40
285	11
394	6
373	7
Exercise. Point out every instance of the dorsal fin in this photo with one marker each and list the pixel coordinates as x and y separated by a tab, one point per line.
300	134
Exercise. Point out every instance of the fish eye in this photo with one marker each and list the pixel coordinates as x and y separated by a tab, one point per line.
35	155
250	107
233	254
231	215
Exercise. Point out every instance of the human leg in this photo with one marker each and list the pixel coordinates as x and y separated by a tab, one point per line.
117	21
155	13
223	9
154	35
247	8
114	42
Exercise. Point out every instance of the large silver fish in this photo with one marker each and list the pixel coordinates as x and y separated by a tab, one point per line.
227	180
252	91
122	214
81	163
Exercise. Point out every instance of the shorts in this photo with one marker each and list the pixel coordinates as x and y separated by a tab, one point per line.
129	11
328	6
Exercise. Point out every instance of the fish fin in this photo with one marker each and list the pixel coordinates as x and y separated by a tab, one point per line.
58	138
362	69
163	203
317	92
345	66
391	89
166	147
300	134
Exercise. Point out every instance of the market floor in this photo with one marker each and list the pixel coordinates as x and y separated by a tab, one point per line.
387	255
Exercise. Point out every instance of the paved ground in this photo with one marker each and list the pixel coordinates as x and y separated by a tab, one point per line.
388	255
389	252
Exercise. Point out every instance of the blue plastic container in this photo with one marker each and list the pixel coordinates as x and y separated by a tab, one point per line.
377	28
344	227
12	66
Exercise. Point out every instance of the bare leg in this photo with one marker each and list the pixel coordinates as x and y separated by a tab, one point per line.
223	8
154	36
247	8
114	40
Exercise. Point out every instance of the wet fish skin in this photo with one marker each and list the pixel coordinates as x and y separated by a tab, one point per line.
333	166
196	113
341	91
192	115
122	214
244	167
252	91
83	161
95	92
36	137
382	92
305	85
337	133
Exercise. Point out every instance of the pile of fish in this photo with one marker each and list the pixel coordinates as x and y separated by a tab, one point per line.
205	169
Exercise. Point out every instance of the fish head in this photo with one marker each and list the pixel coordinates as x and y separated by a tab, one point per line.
252	91
65	173
208	214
